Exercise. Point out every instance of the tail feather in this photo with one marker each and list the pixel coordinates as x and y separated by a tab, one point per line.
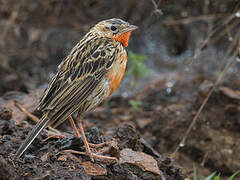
32	135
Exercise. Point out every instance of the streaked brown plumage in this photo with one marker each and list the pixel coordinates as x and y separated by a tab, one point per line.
88	75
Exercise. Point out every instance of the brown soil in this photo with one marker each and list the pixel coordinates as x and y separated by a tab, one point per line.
41	36
161	122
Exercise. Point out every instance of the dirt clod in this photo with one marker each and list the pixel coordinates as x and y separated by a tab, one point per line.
139	159
93	169
128	137
42	157
5	113
5	172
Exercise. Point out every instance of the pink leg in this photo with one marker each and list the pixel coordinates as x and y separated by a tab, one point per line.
86	144
74	126
87	148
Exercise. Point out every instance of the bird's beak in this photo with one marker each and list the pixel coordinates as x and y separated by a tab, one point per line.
130	28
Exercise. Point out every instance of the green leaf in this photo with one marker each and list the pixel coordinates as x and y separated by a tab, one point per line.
135	104
109	104
210	176
194	172
137	67
234	175
217	177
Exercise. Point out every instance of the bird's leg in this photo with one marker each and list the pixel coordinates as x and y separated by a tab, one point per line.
87	148
74	126
76	132
86	144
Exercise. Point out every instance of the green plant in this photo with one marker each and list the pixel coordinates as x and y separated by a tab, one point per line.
194	172
210	176
137	67
234	175
2	45
109	104
213	176
135	104
217	177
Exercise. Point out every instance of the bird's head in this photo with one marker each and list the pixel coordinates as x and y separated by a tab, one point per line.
115	29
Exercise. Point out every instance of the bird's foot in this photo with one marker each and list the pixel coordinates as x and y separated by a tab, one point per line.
93	155
54	135
98	145
97	154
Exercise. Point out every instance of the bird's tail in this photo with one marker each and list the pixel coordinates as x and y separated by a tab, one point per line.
32	135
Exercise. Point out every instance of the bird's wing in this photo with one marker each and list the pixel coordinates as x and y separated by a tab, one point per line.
75	80
77	76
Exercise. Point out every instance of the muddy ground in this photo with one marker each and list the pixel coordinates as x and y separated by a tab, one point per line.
41	35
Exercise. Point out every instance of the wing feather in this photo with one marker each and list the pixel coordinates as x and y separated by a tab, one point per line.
78	75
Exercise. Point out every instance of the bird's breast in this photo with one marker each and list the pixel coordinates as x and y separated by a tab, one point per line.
115	74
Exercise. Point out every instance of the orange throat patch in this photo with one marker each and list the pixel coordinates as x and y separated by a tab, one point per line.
123	38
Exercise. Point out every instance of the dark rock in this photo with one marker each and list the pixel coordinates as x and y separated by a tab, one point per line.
169	168
5	113
94	136
32	165
128	137
6	127
5	171
73	143
148	148
128	171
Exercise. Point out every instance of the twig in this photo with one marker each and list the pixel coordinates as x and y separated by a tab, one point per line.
32	117
189	20
156	11
225	23
224	71
231	47
220	34
9	24
207	18
224	32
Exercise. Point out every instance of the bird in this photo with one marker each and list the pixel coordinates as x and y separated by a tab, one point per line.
89	74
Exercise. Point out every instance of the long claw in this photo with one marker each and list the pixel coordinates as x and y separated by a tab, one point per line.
96	156
98	145
86	144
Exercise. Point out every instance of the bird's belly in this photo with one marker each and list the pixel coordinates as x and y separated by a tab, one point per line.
107	86
115	75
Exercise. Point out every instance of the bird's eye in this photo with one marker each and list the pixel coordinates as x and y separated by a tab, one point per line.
113	28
